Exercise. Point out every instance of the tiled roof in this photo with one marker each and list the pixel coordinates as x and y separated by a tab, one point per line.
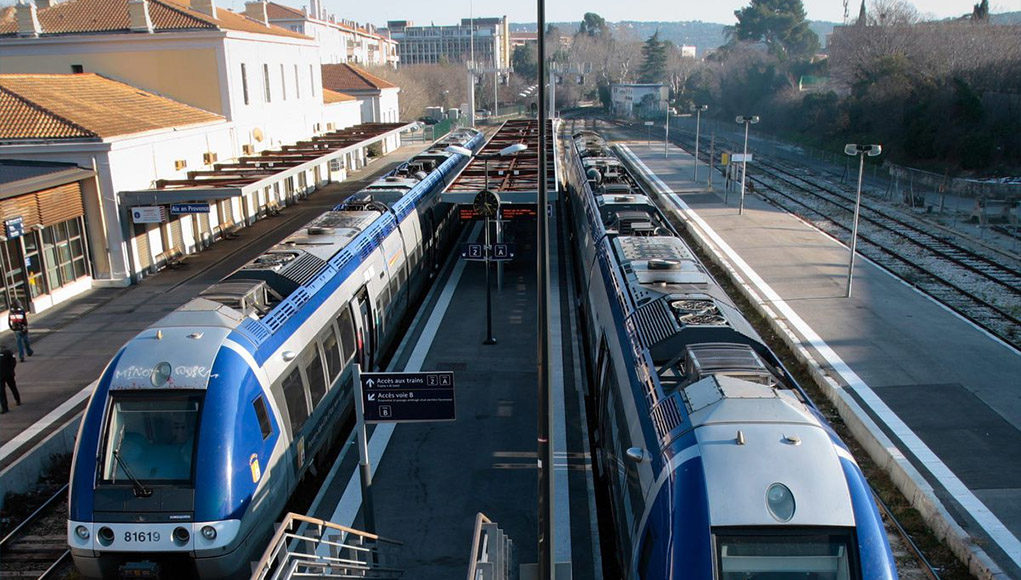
74	106
330	97
274	10
347	78
92	16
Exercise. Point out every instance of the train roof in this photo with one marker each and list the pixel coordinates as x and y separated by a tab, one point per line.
778	440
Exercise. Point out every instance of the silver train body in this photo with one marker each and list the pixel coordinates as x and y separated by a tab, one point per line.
202	425
716	465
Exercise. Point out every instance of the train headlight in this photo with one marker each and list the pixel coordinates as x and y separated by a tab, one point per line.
780	501
82	532
160	374
105	536
181	536
209	533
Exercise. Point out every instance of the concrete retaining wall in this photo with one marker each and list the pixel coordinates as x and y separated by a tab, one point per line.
23	475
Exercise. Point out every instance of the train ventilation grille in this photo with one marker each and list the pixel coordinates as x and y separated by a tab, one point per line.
305	268
655	322
697	312
667	417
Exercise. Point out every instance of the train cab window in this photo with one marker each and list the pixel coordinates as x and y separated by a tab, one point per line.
151	437
297	405
263	416
315	376
761	555
331	349
347	333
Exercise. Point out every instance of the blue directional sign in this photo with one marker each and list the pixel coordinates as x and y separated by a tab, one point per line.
473	251
503	252
182	208
406	397
477	252
15	227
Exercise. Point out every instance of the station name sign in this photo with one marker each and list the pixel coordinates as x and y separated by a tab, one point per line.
406	397
183	208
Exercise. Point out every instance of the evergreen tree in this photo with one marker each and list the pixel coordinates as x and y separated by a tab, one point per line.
593	24
654	55
981	12
780	24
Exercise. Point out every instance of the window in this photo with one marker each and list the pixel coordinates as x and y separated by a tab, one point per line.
283	82
333	355
265	78
244	82
347	333
312	79
297	85
759	553
316	378
150	437
297	405
77	69
263	416
64	253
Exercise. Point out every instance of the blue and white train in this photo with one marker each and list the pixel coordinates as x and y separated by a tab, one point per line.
202	425
716	465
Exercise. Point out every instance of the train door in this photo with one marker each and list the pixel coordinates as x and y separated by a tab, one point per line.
366	330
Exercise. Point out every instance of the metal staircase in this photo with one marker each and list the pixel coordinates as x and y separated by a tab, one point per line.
305	547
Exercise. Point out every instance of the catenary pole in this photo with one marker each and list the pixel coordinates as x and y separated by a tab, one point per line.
545	536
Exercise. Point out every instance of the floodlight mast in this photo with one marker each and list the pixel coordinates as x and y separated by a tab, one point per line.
860	151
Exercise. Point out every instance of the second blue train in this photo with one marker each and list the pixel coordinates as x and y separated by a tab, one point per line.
717	466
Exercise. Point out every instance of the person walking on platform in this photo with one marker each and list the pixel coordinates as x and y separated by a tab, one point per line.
17	319
7	364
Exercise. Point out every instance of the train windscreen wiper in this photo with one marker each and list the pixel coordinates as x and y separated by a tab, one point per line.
137	488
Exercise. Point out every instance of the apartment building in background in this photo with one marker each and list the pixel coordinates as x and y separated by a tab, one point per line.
436	44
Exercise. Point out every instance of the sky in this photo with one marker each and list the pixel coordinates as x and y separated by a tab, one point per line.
721	11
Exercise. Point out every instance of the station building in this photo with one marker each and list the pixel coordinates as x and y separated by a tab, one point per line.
148	101
340	41
638	99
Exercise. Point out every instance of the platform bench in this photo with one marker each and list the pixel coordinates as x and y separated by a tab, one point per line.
173	258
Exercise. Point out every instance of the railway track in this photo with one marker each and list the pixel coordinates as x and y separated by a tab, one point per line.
980	284
37	547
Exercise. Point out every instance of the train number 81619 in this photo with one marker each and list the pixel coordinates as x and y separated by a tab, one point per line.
141	537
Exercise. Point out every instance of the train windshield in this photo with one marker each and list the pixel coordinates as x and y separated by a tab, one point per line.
814	555
150	437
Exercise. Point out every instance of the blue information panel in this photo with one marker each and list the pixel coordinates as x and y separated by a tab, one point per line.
182	208
15	227
405	397
477	252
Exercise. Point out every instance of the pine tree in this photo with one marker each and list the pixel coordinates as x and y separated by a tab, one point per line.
654	54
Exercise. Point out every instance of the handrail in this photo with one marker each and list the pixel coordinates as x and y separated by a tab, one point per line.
285	534
480	518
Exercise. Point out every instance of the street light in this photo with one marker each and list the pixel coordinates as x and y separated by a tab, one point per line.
698	119
861	151
747	120
487	204
666	136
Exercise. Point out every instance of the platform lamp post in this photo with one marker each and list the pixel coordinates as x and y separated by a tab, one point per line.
487	205
666	135
861	151
747	120
698	120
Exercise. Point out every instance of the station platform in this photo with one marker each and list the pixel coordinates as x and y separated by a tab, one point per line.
933	398
430	479
74	341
